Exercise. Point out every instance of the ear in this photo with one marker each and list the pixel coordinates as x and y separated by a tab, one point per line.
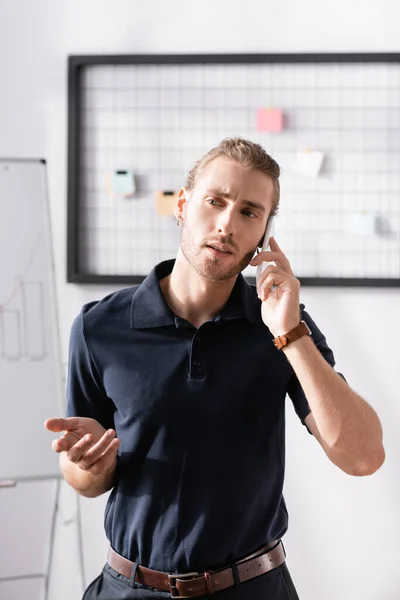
180	206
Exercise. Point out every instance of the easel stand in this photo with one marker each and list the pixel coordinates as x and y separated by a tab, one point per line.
49	560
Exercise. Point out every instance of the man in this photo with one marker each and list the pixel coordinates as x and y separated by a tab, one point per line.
176	396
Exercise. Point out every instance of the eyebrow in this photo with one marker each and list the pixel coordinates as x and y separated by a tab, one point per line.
250	203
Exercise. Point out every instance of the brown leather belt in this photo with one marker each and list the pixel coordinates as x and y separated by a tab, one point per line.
190	585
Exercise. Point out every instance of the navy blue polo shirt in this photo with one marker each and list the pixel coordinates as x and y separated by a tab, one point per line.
200	414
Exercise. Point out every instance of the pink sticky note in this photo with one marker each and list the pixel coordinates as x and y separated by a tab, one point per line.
269	119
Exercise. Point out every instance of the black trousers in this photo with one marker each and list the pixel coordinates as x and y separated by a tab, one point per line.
274	585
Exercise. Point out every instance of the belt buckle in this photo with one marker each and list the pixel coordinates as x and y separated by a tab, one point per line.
172	582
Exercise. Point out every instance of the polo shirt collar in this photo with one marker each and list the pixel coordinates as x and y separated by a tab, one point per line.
243	302
149	309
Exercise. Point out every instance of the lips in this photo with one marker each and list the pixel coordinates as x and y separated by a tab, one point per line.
223	249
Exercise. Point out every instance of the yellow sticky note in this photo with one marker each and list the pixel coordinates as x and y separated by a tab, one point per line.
165	202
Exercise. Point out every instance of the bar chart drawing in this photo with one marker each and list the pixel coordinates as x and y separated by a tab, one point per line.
31	375
22	315
22	330
32	299
10	334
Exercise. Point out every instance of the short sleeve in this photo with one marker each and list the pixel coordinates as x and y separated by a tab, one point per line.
85	393
294	389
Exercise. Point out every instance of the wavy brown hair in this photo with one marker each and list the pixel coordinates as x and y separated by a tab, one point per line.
250	155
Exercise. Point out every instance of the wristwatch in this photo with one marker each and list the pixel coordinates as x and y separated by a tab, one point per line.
294	334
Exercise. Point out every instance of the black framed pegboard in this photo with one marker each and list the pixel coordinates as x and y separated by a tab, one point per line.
155	115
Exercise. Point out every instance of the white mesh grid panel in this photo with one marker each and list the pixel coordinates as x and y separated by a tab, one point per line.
159	119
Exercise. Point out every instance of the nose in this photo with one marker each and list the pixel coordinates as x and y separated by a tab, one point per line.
226	223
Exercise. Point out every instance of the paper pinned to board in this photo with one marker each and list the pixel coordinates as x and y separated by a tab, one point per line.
269	119
362	223
309	162
165	202
122	183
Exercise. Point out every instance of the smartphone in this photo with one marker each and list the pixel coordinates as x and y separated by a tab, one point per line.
269	231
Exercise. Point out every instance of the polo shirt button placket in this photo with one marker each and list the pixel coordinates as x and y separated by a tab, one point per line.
196	362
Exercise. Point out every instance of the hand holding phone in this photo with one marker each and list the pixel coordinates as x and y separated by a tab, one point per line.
269	231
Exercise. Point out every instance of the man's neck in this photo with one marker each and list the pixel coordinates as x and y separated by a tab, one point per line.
193	297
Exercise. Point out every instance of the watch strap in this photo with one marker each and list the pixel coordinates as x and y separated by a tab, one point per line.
294	334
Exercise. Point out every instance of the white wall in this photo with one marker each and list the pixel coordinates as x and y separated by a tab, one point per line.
344	532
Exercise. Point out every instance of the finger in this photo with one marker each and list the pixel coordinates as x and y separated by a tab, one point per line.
269	269
264	256
106	460
57	445
273	279
59	424
283	261
277	257
95	452
273	244
276	282
274	255
54	424
279	281
77	450
66	441
261	278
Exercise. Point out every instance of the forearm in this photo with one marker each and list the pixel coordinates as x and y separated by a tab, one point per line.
348	425
84	482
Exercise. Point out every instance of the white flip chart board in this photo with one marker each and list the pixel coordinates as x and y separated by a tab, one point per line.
30	365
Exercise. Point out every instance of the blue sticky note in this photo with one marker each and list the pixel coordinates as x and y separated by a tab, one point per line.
123	182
